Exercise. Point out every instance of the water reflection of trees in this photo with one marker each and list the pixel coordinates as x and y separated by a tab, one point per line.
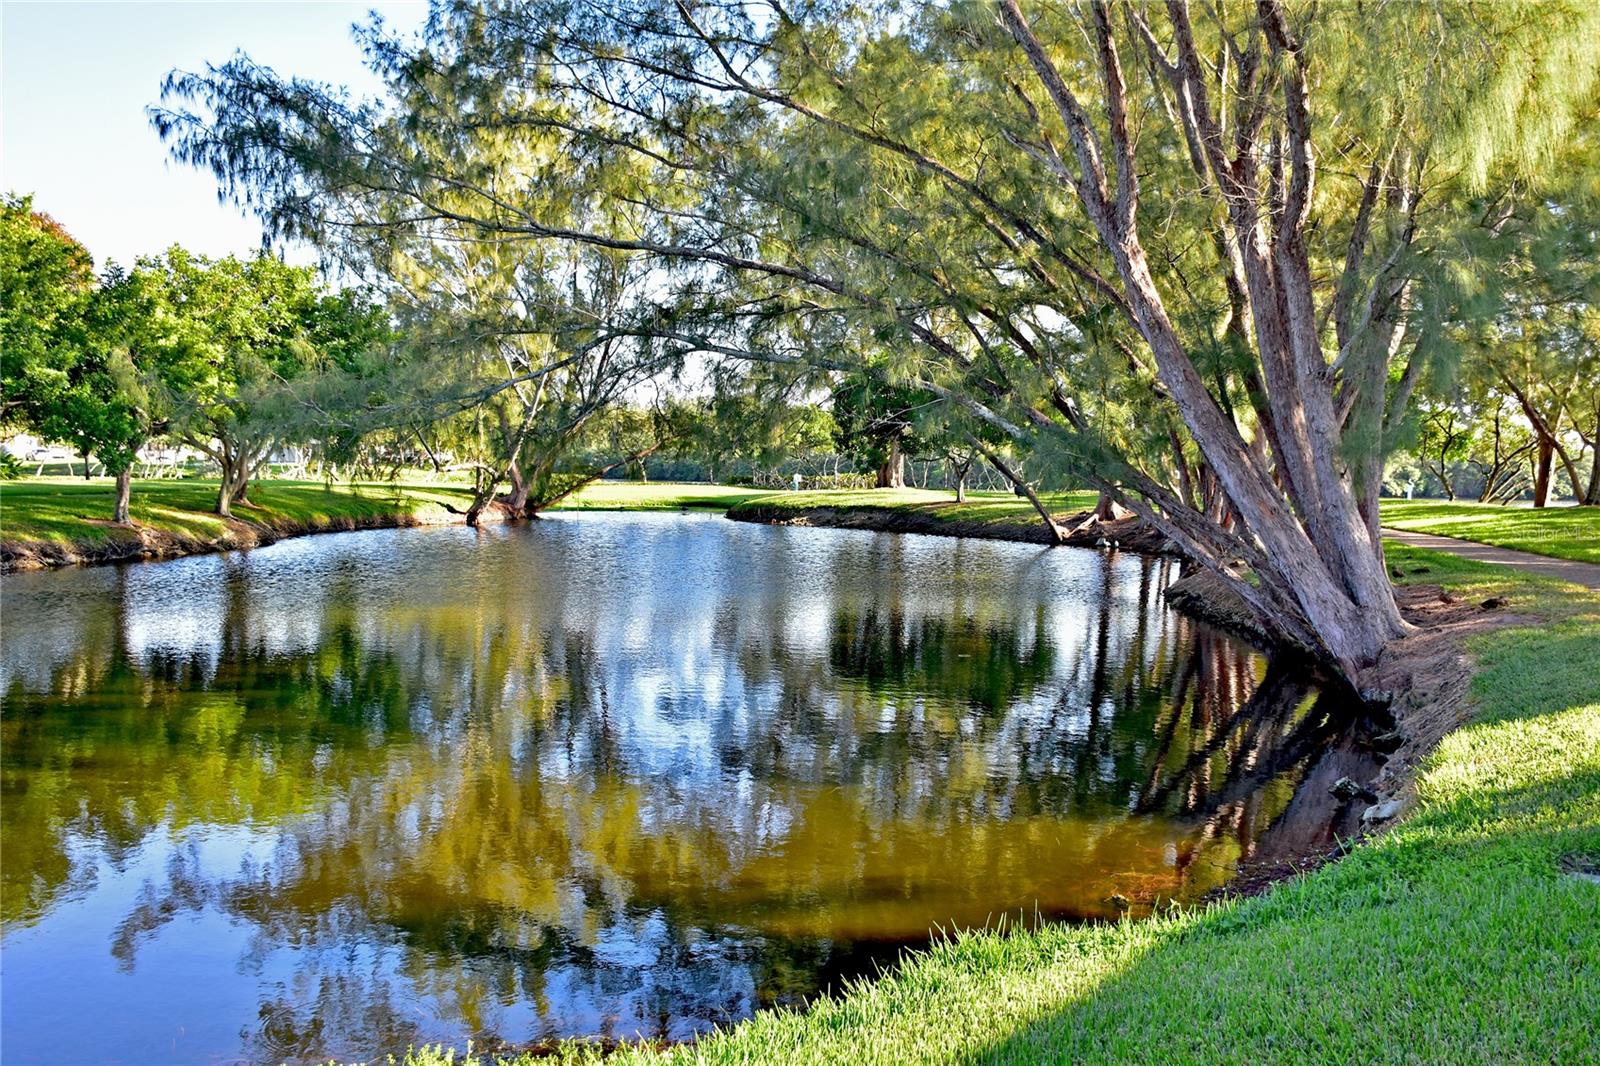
533	821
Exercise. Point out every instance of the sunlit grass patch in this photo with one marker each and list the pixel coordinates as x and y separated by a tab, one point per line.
1563	532
655	496
73	511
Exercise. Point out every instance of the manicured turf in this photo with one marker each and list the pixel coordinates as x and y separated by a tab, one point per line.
1564	532
64	510
980	506
1457	937
655	496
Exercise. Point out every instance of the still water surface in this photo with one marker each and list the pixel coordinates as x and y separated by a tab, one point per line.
600	775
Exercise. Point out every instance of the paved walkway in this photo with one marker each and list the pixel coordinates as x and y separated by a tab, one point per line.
1585	574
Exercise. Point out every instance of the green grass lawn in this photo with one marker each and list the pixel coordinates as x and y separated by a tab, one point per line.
1457	937
655	496
1564	532
64	510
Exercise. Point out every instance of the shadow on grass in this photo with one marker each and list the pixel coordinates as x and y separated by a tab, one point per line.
1459	937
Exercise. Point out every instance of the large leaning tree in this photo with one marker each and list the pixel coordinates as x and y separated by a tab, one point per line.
1186	253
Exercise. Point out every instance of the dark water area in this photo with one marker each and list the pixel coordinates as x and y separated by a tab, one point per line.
601	775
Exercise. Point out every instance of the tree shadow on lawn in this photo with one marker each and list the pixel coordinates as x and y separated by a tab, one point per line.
1459	937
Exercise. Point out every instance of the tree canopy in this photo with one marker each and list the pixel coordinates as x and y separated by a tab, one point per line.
1197	258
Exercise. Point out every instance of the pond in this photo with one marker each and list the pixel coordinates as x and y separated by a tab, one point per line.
599	775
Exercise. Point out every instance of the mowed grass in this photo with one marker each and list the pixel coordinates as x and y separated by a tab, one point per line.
1457	937
987	507
655	496
74	511
1563	532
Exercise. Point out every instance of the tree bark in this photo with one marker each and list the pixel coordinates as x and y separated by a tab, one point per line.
1320	571
225	494
119	511
237	466
892	474
517	502
1541	477
1106	509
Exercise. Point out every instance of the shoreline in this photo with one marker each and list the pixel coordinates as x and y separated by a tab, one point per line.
1426	681
151	544
1126	533
140	542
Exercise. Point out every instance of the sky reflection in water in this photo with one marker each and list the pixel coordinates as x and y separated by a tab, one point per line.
604	774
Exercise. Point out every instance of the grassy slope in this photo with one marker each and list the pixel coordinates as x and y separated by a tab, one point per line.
74	511
77	511
989	507
1564	532
1454	938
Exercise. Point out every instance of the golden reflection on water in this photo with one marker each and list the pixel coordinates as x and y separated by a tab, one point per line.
603	775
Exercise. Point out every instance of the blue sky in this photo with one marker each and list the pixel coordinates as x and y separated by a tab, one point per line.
76	80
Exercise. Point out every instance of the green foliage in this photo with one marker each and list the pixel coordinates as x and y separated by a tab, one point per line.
235	329
871	417
903	198
45	279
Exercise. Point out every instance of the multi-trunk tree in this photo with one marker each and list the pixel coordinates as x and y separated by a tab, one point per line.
1181	254
227	343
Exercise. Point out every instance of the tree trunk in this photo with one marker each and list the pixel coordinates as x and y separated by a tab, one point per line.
1572	471
517	502
119	512
892	474
235	481
1106	509
1181	461
1591	495
1022	487
1322	581
1541	477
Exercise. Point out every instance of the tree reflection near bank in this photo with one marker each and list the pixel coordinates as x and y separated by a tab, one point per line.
617	776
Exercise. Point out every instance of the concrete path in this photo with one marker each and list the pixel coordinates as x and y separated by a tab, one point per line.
1585	574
